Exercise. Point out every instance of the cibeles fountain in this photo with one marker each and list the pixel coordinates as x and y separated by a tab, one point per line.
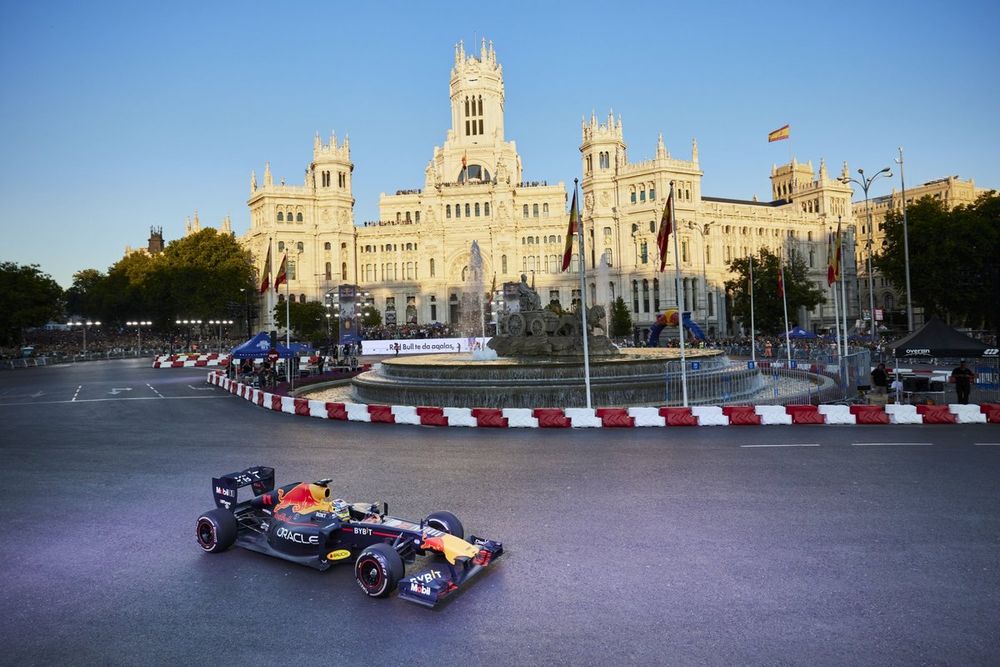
536	359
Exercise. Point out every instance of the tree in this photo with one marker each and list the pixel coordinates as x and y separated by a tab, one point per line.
85	296
621	319
768	312
28	298
307	320
953	266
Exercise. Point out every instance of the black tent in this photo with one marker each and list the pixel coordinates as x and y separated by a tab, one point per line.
937	339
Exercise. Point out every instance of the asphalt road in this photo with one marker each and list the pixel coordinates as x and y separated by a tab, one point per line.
871	545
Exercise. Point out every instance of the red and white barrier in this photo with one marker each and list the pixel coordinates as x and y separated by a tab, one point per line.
190	360
640	417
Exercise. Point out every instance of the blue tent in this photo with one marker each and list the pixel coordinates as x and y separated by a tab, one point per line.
798	333
258	347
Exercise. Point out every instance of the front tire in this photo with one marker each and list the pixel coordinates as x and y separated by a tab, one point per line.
216	530
446	522
378	569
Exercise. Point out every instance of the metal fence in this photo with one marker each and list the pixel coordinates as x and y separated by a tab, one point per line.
32	362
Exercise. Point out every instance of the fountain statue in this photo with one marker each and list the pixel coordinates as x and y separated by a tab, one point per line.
525	329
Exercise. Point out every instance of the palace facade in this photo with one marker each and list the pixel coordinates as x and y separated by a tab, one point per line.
413	262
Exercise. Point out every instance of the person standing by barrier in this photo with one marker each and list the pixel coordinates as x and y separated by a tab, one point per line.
963	378
880	379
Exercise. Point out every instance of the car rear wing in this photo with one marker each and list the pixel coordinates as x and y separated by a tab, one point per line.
224	489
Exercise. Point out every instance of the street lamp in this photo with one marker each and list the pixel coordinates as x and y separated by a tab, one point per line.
139	325
906	246
85	324
220	323
866	183
703	230
246	309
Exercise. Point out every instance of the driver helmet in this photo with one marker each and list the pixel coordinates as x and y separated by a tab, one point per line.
341	509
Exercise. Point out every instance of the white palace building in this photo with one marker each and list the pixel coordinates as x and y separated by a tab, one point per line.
413	261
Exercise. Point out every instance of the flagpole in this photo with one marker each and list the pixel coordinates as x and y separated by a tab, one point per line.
583	298
677	294
753	343
841	264
270	276
288	329
784	302
836	319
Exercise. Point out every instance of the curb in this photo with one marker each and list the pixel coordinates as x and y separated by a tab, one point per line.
699	415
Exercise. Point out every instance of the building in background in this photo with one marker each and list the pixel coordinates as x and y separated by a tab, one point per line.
414	260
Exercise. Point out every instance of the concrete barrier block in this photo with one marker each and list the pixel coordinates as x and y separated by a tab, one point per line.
460	417
583	417
647	417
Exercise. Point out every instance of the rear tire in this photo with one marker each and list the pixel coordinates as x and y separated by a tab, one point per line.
216	530
446	522
378	569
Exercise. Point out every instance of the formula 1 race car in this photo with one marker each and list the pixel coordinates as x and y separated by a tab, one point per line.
301	523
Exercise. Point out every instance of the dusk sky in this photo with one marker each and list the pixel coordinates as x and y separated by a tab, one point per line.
121	116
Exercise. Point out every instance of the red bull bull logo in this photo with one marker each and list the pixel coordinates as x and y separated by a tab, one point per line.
305	498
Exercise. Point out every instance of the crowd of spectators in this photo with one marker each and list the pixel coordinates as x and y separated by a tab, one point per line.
111	341
408	331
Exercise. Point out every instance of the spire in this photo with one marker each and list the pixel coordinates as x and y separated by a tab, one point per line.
226	227
845	172
268	180
482	51
333	139
187	225
253	181
196	225
822	169
661	149
694	150
347	143
493	53
316	143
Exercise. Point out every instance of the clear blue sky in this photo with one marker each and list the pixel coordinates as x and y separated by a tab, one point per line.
116	117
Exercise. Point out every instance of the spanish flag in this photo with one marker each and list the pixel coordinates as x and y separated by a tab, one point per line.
282	272
831	271
265	273
779	134
574	217
838	245
781	282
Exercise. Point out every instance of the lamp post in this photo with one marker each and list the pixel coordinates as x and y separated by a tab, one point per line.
138	326
246	309
220	323
85	324
703	230
866	183
906	246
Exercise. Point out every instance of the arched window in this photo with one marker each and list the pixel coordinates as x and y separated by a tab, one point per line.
329	271
503	264
300	246
610	256
656	295
645	296
326	246
635	296
281	297
447	211
302	298
281	246
432	267
545	210
534	210
525	210
642	193
343	270
486	209
458	210
298	217
631	194
477	209
281	216
468	210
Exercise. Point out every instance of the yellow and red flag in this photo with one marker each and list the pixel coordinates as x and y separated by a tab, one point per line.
781	282
831	271
666	226
282	272
574	220
838	245
779	134
265	274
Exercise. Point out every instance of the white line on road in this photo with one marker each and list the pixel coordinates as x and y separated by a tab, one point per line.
987	444
785	445
154	391
77	393
892	444
120	400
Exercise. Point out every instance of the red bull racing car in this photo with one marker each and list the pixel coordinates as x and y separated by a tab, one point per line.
301	523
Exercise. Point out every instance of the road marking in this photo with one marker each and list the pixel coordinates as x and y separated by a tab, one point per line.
102	400
987	444
154	391
892	444
201	388
117	390
784	445
77	392
6	395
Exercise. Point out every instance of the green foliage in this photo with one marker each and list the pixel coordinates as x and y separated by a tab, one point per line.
370	317
769	316
28	298
621	319
953	258
307	320
85	296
